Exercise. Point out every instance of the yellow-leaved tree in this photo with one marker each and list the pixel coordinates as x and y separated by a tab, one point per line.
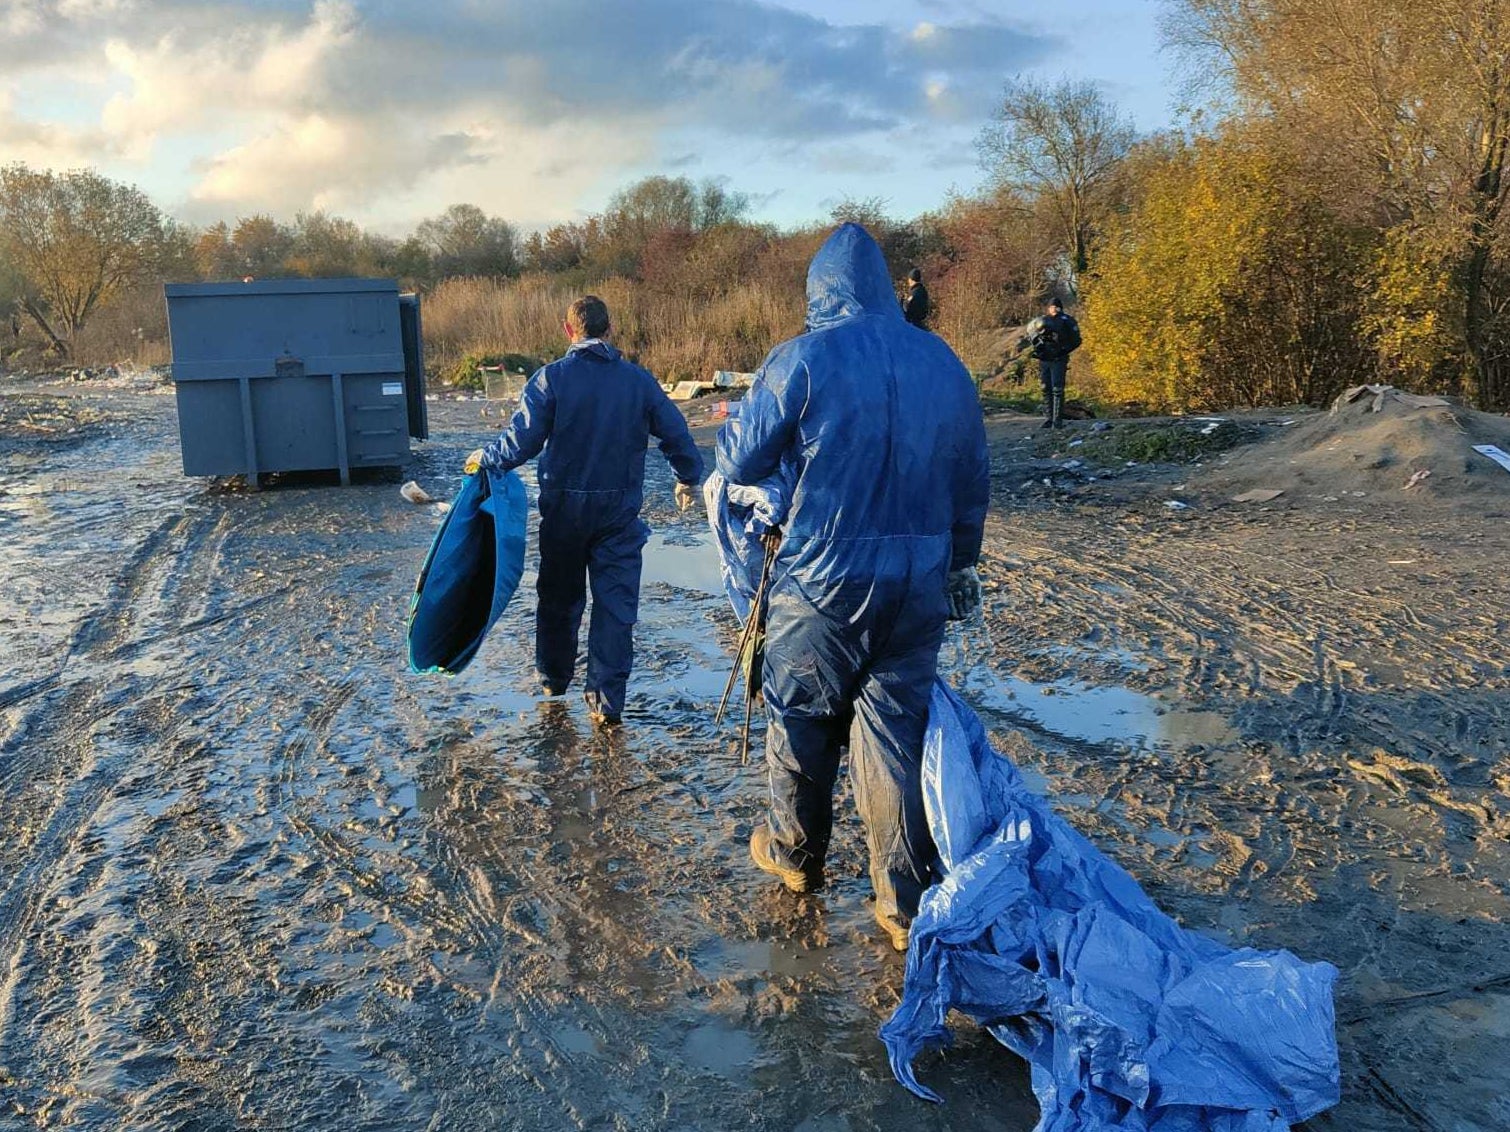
1226	281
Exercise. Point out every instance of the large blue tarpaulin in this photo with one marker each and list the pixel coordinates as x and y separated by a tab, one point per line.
475	562
1128	1021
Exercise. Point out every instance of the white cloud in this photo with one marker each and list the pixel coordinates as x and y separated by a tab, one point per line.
286	104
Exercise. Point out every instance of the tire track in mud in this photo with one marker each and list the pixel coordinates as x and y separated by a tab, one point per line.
150	723
59	740
470	909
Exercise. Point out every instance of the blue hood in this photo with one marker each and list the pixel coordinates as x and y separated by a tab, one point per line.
848	277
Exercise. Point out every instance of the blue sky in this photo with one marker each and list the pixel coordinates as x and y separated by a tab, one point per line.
536	110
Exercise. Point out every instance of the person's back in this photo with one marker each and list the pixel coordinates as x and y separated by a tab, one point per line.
891	418
589	417
606	408
876	425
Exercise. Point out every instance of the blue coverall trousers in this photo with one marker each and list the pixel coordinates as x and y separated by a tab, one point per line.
586	540
856	674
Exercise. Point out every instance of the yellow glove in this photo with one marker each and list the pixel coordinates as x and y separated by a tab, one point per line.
686	496
473	464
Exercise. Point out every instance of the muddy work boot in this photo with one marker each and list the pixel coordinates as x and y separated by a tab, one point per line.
769	858
896	929
1048	408
1056	416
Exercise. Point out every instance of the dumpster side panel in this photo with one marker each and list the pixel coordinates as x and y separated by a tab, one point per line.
376	419
295	422
210	428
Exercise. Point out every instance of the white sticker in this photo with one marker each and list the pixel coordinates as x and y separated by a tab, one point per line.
393	389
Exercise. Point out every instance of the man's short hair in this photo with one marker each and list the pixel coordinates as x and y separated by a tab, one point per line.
588	317
916	275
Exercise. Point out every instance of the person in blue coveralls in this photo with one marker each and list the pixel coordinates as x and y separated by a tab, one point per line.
877	425
589	416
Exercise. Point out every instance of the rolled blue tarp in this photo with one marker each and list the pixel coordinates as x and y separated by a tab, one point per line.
475	562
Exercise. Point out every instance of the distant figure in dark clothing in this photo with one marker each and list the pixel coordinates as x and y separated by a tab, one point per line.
915	306
1053	338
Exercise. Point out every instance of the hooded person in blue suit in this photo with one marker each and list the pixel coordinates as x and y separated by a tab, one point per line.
591	414
876	426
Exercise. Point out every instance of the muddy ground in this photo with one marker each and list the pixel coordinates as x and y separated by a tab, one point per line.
253	875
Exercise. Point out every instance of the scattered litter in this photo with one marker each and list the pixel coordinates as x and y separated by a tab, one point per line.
1179	487
1071	465
415	494
1417	477
688	390
1176	505
442	508
1259	495
1329	499
1076	443
1388	395
1101	426
1497	454
1402	562
1212	424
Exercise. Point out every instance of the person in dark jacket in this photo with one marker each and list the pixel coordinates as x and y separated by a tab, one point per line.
876	426
1054	337
916	306
592	413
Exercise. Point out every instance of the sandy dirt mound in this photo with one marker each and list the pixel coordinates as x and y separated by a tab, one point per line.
1375	441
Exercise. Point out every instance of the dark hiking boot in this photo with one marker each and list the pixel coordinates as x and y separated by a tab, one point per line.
896	930
1056	418
767	859
1048	421
603	720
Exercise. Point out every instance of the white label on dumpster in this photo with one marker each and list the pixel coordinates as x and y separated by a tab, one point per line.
393	389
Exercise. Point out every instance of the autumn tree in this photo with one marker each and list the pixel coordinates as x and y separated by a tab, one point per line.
1410	103
464	240
74	239
1229	280
1059	144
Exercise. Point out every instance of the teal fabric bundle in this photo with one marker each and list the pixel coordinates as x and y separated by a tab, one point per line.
471	573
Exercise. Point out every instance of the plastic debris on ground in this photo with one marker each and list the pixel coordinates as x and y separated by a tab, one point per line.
1128	1020
470	574
412	492
1498	455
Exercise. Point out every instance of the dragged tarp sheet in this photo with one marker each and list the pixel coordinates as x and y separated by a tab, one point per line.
1128	1021
475	562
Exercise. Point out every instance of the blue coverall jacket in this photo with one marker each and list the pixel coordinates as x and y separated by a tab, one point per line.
589	417
877	425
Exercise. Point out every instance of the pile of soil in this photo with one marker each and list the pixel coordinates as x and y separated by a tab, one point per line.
1375	441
